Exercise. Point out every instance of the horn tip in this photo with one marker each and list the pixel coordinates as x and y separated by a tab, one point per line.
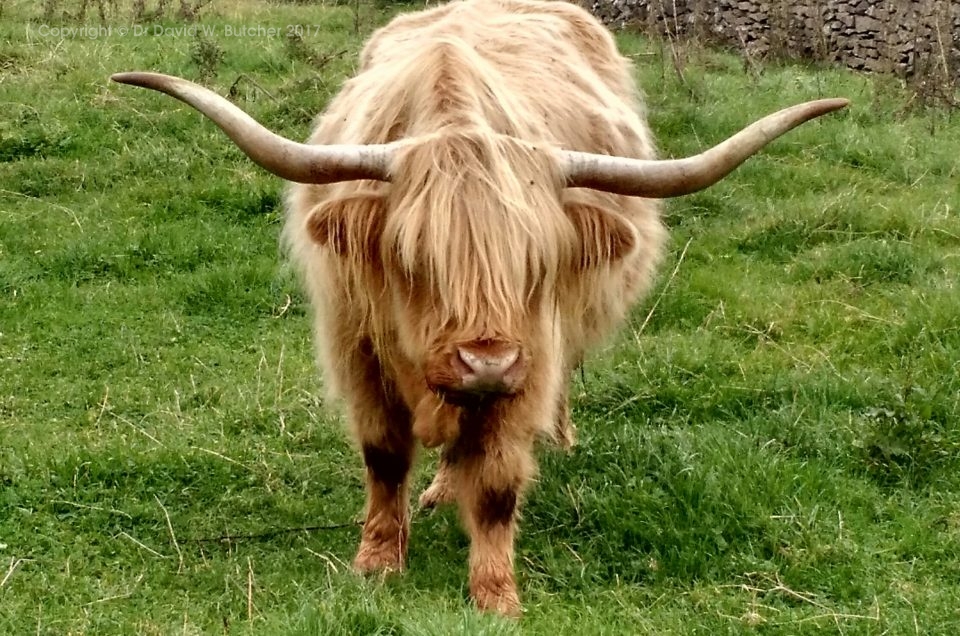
124	78
141	78
835	103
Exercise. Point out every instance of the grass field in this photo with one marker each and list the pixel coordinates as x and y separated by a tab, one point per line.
771	444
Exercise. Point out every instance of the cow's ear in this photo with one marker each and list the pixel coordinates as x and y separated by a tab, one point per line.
605	236
349	226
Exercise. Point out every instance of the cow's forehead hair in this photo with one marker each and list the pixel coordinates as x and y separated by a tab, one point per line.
479	215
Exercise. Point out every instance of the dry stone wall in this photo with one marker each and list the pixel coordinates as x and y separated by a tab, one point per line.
907	37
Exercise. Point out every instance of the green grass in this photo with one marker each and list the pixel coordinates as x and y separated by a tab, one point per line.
770	445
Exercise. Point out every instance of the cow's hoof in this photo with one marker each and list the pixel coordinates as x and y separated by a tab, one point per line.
496	597
378	558
439	492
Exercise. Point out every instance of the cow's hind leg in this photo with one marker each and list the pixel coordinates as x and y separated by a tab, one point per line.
383	428
443	487
489	486
564	432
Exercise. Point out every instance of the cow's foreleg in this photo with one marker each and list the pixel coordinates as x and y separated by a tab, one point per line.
383	543
383	427
489	487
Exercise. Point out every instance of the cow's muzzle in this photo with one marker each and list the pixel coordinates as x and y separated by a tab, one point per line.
477	369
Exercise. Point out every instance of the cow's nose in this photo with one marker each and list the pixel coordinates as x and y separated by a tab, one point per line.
490	367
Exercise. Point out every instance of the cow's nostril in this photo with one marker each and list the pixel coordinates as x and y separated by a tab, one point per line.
489	368
488	364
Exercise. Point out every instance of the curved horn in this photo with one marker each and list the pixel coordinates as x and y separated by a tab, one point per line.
659	179
304	163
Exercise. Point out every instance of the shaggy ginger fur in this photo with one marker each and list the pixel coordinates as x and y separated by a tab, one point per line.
474	240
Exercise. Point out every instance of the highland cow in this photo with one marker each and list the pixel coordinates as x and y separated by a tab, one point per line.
475	210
